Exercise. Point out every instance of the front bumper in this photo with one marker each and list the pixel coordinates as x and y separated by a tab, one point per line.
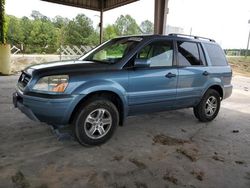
17	101
52	110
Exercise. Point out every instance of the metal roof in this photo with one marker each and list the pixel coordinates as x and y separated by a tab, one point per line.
97	5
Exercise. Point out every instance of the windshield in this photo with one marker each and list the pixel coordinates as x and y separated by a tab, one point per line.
114	50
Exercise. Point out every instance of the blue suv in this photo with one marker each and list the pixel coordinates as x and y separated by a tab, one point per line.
123	77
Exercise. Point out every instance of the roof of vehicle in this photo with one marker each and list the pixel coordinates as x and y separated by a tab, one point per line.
173	36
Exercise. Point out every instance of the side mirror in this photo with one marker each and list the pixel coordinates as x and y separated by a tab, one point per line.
142	63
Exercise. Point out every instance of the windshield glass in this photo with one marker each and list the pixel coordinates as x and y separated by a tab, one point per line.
114	51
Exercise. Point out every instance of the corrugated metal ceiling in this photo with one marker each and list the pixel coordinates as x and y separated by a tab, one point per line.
93	4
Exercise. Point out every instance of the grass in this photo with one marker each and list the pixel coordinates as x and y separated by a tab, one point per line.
240	65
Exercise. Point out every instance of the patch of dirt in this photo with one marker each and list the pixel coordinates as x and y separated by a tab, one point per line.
191	153
235	131
170	178
93	178
218	158
19	180
106	175
56	175
167	140
199	175
239	162
137	163
247	175
183	130
43	186
140	185
240	65
116	185
117	158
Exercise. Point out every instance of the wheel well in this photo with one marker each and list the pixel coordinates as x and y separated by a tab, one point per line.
113	97
218	89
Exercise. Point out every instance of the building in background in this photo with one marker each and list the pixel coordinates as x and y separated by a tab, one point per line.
173	29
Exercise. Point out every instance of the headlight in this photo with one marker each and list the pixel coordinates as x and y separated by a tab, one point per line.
56	83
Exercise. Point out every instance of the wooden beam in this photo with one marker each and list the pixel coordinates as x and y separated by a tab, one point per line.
101	21
160	19
111	4
87	4
93	4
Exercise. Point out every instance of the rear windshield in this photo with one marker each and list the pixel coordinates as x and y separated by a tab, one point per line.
216	55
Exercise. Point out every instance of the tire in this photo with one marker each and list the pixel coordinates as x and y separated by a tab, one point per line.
209	106
95	122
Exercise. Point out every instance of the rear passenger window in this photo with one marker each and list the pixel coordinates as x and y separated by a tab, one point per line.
216	55
189	54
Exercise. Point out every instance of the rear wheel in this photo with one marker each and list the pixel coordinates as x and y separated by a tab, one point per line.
208	107
95	123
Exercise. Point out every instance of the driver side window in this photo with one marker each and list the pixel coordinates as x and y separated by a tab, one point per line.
160	54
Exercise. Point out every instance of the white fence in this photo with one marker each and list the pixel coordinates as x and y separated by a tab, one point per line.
20	61
14	50
74	50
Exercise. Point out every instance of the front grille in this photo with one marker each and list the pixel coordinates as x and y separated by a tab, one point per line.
24	79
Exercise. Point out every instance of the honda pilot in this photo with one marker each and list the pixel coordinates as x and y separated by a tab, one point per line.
123	77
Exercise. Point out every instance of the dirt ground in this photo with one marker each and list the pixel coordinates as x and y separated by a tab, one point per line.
240	64
169	149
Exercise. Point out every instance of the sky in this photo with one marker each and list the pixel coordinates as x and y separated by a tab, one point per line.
226	21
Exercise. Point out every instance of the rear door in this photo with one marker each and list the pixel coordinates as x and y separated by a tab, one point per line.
153	88
193	73
219	69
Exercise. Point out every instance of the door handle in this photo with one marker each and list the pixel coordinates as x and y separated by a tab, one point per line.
205	73
170	75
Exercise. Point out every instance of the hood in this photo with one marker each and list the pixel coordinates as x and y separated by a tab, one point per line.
67	67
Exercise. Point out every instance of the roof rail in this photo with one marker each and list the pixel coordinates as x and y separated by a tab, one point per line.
191	36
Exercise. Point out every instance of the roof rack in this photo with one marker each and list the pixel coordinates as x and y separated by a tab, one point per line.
191	36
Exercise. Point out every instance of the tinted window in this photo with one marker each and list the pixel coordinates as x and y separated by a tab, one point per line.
159	53
216	55
188	54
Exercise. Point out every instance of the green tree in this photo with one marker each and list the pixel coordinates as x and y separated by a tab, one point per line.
43	37
26	27
109	32
60	21
36	15
3	27
78	30
126	25
147	27
14	32
42	34
93	39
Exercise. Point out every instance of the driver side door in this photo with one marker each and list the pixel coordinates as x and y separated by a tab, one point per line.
153	88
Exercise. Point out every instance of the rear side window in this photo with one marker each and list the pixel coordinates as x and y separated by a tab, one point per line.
216	55
190	54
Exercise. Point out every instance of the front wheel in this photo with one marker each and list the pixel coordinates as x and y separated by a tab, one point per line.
95	122
208	107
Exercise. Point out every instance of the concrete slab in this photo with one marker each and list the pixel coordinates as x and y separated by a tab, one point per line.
169	149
